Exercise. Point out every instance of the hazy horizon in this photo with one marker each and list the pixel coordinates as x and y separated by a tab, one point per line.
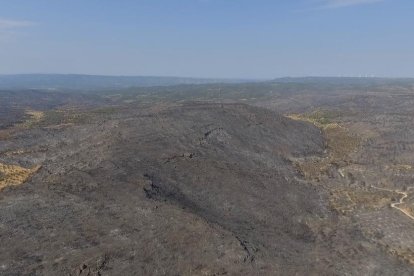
208	38
202	77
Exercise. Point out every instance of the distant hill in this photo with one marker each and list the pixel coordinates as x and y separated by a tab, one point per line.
344	80
97	82
91	82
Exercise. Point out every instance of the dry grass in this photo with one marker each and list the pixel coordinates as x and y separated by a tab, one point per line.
409	210
34	118
35	115
340	144
400	168
407	207
346	200
317	118
405	254
13	175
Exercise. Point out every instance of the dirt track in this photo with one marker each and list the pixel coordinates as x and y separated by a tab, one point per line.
401	201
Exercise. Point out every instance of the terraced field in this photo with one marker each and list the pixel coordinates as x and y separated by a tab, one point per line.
12	175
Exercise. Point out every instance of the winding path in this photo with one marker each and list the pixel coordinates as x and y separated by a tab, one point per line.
401	201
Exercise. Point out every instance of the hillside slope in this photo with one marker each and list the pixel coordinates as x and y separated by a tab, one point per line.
195	189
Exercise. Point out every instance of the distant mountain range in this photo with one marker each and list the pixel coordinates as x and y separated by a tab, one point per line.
92	82
97	82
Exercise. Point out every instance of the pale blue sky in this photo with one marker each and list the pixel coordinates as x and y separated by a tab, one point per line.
208	38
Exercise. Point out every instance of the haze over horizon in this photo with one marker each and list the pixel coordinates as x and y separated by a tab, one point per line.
208	38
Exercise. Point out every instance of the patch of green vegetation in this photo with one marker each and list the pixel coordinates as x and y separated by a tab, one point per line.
322	117
105	110
319	117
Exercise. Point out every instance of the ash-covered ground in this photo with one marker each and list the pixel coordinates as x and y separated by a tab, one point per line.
232	179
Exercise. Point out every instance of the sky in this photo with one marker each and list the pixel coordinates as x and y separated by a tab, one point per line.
208	38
